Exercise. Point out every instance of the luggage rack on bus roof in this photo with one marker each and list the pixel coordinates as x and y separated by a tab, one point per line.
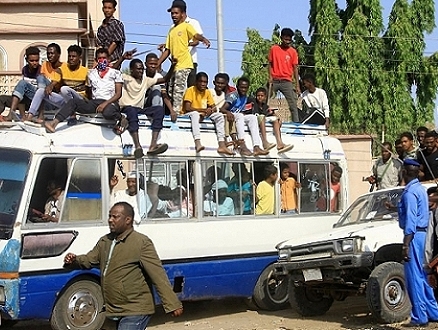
184	124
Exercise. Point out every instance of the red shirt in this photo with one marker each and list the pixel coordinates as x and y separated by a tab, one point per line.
283	62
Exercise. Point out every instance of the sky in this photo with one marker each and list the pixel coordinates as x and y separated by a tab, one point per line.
147	23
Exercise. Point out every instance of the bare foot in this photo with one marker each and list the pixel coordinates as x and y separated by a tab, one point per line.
244	151
224	151
49	127
260	152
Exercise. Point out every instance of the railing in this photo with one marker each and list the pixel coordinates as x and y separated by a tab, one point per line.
8	80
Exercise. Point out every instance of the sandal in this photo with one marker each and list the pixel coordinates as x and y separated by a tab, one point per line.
121	126
159	149
138	153
285	148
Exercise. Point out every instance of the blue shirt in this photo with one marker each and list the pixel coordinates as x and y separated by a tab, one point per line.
413	208
238	103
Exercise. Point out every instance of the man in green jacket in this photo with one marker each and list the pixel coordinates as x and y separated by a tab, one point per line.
124	256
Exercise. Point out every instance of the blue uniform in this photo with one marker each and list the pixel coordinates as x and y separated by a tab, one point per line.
413	213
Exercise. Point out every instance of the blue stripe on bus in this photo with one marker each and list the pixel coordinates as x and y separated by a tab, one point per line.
202	280
84	195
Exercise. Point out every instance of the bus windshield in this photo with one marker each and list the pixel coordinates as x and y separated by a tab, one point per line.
14	166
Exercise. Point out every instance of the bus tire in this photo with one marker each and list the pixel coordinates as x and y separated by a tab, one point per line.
307	301
79	307
7	324
271	292
386	293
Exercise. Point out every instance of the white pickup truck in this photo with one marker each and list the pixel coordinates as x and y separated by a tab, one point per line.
360	255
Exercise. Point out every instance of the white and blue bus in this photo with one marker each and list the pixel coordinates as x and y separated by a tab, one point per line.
206	256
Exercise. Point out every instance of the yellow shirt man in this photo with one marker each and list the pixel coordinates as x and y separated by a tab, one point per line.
75	79
199	99
177	42
266	198
49	72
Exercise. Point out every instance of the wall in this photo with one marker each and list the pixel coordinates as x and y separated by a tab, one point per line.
357	150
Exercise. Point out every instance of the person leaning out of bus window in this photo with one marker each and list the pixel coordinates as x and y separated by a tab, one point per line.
222	205
335	188
265	192
130	268
288	190
52	208
198	104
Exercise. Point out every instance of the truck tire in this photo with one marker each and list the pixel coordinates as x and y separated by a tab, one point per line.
79	307
307	301
271	292
386	293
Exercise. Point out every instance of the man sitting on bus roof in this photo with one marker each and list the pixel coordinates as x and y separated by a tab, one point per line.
236	106
132	103
104	90
198	104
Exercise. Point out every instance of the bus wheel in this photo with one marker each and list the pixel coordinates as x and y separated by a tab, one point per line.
79	307
271	292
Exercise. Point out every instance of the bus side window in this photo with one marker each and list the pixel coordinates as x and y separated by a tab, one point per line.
166	193
46	204
289	186
83	199
216	199
335	187
240	187
314	196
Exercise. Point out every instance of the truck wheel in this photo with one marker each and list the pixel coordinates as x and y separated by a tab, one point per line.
270	292
79	307
308	301
386	293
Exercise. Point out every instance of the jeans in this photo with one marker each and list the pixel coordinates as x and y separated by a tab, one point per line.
156	113
69	93
154	96
216	117
289	212
111	111
253	126
135	322
40	95
24	88
287	89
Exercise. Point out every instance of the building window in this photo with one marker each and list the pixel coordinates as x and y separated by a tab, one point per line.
3	59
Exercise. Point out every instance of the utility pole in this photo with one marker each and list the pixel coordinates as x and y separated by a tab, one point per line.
220	37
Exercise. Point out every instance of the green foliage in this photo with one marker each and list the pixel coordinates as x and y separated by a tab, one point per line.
374	76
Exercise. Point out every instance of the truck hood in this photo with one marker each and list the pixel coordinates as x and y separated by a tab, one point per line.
375	233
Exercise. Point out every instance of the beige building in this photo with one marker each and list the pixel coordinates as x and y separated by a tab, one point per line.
40	22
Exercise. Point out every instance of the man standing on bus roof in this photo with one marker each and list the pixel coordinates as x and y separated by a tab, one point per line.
129	266
111	34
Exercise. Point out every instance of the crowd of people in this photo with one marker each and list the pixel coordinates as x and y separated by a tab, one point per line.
68	88
423	148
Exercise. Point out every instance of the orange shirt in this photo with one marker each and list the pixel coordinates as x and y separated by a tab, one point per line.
288	194
283	61
49	72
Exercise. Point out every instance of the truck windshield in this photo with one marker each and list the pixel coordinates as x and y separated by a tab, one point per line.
381	205
14	165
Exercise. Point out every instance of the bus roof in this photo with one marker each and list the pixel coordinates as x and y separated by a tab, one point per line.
310	141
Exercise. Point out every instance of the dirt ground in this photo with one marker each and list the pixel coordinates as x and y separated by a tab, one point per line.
234	314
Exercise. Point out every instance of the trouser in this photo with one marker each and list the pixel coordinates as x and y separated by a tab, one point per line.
178	86
154	97
155	113
69	93
54	99
6	102
215	117
24	88
424	305
191	80
111	111
287	89
132	322
252	123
